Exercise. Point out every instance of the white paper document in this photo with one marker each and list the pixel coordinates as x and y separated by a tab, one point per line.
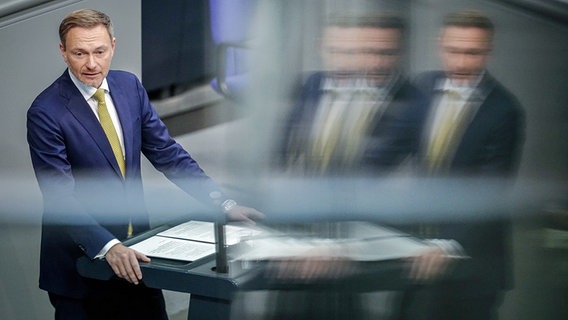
190	240
364	242
205	232
358	250
175	249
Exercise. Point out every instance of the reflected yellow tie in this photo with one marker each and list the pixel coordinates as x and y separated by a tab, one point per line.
110	131
329	134
445	134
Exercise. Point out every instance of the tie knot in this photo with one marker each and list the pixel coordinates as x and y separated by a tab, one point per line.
99	95
453	94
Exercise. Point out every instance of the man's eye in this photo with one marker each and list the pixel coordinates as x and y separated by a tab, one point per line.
476	53
386	53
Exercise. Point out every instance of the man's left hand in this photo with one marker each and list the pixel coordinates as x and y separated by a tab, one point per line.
430	265
244	214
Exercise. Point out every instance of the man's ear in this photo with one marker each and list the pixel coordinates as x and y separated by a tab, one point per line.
62	51
113	45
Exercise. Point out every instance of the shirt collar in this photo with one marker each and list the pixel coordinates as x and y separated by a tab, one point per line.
331	83
87	91
465	92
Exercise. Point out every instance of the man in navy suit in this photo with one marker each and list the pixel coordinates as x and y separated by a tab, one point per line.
91	202
483	140
360	115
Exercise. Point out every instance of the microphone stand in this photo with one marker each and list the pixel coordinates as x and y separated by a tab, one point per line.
222	265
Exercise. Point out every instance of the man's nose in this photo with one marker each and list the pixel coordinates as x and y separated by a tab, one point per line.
460	60
381	61
91	63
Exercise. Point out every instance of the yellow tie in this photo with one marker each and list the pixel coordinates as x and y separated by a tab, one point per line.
329	134
110	131
364	107
445	134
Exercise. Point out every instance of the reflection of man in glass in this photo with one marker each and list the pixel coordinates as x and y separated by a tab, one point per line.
339	122
474	130
358	116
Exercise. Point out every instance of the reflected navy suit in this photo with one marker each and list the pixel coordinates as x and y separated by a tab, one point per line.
492	142
489	148
392	137
87	202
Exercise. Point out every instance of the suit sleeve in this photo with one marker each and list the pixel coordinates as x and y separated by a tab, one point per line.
492	145
503	146
55	177
170	158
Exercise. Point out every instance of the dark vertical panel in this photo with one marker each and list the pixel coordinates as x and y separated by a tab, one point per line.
175	44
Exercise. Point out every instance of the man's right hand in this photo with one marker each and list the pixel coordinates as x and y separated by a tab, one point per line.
430	265
124	262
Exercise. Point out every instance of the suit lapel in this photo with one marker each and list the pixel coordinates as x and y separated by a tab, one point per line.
121	104
475	103
433	88
479	96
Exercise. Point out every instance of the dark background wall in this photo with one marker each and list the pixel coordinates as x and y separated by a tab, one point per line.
177	51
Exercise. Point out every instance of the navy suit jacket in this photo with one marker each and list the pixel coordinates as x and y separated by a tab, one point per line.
492	141
489	148
392	137
87	202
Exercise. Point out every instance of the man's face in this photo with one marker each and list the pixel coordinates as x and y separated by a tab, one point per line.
354	51
88	53
464	52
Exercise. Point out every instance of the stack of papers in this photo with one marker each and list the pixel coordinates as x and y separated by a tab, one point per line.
190	241
363	242
193	240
